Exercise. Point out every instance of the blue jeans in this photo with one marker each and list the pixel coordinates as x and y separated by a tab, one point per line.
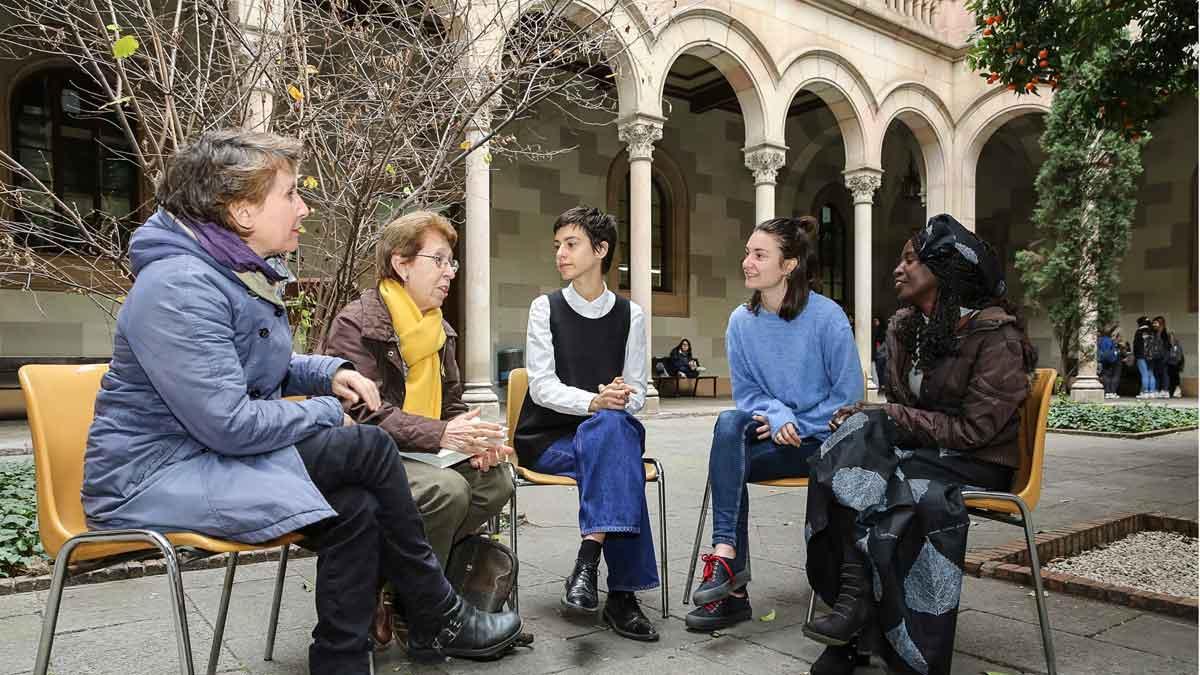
738	457
1149	384
604	456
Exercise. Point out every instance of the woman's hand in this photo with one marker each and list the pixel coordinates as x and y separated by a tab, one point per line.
612	396
842	413
493	456
788	435
763	431
351	387
468	434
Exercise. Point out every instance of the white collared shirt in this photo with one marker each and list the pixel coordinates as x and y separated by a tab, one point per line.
544	386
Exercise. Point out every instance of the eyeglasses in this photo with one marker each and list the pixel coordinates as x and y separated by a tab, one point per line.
441	262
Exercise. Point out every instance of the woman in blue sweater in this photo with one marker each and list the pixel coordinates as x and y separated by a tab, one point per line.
793	364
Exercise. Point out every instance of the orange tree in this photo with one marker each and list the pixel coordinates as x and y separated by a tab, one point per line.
1030	47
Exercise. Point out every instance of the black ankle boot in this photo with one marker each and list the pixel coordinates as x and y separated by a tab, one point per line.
851	611
467	632
579	591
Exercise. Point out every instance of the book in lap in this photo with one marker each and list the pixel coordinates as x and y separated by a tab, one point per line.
443	459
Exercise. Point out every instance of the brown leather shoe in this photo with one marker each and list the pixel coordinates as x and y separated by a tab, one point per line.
381	625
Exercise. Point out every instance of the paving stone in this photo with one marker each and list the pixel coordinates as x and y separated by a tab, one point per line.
1156	634
994	638
1068	613
124	626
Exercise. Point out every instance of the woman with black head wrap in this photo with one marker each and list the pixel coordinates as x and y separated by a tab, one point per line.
887	528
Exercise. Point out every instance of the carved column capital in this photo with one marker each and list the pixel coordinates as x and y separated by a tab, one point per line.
863	184
640	135
765	163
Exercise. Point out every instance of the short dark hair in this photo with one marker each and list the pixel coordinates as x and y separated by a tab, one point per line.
795	240
599	226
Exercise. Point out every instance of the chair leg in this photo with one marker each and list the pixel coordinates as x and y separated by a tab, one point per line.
178	605
273	623
662	536
53	600
1039	595
214	653
812	605
514	601
687	591
174	581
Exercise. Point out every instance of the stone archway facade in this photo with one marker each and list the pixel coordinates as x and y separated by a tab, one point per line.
861	64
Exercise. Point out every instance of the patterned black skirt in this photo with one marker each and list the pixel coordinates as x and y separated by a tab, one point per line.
904	510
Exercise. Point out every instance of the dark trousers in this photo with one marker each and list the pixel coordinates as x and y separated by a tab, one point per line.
377	534
1110	376
1159	366
737	457
1173	379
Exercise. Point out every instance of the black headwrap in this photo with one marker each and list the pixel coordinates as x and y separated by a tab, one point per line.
980	280
969	274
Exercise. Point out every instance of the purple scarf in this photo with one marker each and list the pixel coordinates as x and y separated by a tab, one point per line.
228	249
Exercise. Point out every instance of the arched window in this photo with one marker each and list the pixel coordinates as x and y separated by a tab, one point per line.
660	237
669	213
66	137
834	254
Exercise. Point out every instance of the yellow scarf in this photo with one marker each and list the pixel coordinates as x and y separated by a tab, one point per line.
421	338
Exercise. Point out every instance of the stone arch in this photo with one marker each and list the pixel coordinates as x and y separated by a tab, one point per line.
731	48
977	124
611	17
923	112
842	87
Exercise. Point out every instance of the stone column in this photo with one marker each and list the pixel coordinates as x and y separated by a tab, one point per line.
862	184
477	275
765	161
1087	386
260	21
640	134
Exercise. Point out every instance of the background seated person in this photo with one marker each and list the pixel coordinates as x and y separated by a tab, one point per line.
886	523
681	361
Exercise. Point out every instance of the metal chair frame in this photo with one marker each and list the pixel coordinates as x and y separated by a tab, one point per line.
64	540
175	559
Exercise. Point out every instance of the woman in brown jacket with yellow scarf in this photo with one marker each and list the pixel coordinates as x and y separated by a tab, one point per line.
394	334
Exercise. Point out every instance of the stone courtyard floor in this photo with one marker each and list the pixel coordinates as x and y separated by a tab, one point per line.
123	627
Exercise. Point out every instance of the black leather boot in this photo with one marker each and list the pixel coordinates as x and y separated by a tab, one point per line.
851	611
579	592
840	661
468	633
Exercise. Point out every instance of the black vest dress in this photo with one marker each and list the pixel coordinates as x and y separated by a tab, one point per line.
587	353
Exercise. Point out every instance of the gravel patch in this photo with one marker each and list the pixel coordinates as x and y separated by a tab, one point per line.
1160	562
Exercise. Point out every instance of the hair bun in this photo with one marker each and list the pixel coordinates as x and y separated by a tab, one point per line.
809	225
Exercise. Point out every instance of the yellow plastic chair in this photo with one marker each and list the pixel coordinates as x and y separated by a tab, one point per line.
518	386
60	403
1016	507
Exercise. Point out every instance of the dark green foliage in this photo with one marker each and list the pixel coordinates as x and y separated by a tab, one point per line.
19	544
1128	419
1087	194
1035	47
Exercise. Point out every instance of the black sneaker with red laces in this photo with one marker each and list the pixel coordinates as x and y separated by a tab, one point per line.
719	614
719	579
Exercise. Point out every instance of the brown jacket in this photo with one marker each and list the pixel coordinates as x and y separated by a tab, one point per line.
362	333
968	401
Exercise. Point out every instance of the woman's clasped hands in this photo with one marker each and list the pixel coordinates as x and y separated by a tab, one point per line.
484	441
